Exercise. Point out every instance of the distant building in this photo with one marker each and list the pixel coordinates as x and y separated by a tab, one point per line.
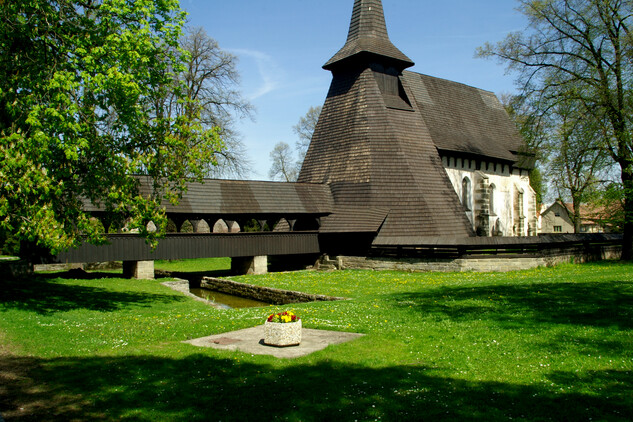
411	156
558	218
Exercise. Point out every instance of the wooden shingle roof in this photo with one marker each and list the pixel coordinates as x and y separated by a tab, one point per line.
464	120
345	219
377	157
368	35
241	197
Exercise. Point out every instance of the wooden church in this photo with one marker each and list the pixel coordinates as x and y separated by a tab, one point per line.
410	157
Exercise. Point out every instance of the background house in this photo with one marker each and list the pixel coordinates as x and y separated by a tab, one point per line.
558	218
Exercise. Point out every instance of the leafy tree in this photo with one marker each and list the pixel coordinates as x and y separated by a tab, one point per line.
283	164
609	207
576	161
81	112
304	129
580	50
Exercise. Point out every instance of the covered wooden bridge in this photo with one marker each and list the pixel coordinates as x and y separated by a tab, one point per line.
282	219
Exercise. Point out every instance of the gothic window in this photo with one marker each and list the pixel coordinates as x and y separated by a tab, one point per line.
466	194
493	189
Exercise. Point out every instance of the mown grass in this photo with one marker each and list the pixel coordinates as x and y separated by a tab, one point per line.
195	265
545	344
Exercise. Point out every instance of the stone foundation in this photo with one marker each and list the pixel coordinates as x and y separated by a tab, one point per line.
141	270
90	266
15	269
249	265
482	263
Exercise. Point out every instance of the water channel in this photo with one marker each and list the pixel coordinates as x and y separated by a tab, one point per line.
226	301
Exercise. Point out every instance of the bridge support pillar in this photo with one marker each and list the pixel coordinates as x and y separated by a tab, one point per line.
141	270
250	265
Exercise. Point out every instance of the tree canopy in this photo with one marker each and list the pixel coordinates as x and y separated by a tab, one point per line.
81	113
211	79
304	130
578	53
283	167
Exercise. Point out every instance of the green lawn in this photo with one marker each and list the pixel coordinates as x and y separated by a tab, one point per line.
545	344
195	265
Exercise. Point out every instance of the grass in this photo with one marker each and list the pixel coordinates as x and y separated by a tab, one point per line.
195	265
545	344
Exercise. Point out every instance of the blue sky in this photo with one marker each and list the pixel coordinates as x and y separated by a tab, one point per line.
282	44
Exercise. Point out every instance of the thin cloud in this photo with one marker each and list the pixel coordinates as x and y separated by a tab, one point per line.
268	70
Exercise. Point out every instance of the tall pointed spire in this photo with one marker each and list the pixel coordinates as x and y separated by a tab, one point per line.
368	36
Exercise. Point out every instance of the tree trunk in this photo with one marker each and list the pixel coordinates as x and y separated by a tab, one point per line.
627	241
577	218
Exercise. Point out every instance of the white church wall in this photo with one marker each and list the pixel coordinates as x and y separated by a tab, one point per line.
507	216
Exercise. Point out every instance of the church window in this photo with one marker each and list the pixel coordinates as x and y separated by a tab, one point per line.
493	188
466	194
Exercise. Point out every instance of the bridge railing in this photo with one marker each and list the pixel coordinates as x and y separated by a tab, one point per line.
129	247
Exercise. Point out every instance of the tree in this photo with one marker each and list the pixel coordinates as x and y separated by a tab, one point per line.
211	78
304	129
81	112
283	167
580	50
576	162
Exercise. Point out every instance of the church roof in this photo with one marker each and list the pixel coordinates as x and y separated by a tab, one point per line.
464	120
368	36
378	157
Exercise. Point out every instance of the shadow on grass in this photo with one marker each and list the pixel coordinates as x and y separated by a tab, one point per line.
46	295
204	387
592	304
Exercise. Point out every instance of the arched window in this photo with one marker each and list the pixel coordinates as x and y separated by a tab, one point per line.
493	188
466	194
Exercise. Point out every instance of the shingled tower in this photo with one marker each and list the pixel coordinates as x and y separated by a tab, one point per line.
372	146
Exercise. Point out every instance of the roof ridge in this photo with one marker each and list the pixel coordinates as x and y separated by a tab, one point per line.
426	75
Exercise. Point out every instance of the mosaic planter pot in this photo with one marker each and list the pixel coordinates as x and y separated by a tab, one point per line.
282	334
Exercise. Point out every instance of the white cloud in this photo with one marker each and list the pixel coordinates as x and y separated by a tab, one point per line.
268	70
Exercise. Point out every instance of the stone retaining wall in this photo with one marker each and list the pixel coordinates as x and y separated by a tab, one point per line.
483	263
91	266
15	269
262	294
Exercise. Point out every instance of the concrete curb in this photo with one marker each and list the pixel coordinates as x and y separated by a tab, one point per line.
182	286
251	340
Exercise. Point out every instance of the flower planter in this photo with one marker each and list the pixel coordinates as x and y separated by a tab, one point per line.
282	334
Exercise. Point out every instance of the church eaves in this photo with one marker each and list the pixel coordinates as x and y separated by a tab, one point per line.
368	36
